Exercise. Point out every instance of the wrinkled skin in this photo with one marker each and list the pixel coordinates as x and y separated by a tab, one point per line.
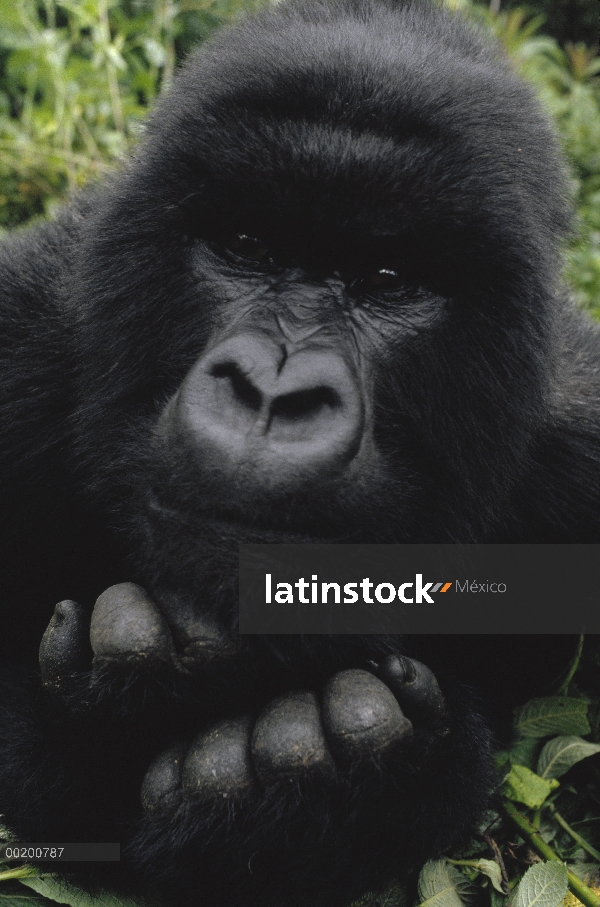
321	304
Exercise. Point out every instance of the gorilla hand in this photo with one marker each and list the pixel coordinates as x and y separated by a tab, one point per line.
245	780
356	717
127	632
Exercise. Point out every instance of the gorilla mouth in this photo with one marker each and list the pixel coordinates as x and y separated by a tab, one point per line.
186	501
250	532
239	526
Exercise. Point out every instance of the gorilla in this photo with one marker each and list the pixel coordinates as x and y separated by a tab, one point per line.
322	302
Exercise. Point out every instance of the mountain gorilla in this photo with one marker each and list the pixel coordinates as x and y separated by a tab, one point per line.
322	302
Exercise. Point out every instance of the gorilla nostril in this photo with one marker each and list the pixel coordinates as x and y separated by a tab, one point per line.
278	419
242	389
304	404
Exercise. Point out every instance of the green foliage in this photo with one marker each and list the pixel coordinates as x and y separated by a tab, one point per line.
554	843
561	753
565	20
57	891
524	786
567	80
553	715
76	79
543	885
542	802
441	885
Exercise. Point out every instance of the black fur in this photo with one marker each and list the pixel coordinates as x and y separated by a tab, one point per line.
348	137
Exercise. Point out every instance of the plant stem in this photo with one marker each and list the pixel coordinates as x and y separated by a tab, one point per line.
575	835
111	69
22	873
564	687
532	835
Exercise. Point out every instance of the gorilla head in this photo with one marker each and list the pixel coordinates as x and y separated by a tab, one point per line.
321	303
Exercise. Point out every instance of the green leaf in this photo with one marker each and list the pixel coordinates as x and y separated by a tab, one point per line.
27	899
543	885
501	759
552	715
525	752
65	893
6	836
491	869
524	786
441	885
560	754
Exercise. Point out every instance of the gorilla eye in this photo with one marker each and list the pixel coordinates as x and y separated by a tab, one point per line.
382	279
249	247
385	279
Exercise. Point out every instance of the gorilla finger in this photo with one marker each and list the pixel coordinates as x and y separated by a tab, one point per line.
162	783
201	641
218	762
65	647
361	716
127	625
288	740
415	688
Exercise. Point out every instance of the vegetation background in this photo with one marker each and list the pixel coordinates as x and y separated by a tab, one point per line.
77	78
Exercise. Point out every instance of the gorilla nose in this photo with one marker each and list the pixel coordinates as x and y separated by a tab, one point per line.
277	413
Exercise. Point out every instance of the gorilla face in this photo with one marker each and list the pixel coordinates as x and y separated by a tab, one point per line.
320	304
